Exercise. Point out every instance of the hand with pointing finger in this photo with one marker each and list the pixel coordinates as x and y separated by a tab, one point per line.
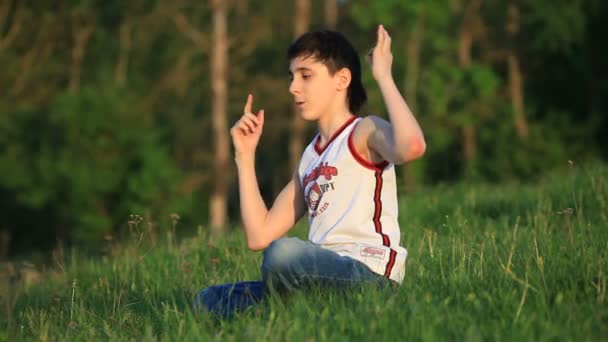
247	130
380	57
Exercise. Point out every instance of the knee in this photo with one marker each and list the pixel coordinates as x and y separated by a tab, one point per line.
280	256
206	300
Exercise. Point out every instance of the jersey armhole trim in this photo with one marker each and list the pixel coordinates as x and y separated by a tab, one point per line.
359	158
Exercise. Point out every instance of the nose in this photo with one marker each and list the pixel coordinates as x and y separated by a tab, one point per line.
294	87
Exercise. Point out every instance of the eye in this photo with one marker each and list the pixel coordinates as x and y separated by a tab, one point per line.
306	76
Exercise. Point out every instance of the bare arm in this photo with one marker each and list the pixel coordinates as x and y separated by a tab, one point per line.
261	225
401	140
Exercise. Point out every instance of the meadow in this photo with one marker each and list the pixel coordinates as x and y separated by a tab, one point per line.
486	262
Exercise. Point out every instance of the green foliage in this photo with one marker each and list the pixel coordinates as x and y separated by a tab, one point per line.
368	14
558	26
92	160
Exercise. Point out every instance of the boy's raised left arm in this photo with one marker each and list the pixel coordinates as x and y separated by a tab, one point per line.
402	139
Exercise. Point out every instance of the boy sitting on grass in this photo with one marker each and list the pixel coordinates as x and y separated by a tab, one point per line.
345	181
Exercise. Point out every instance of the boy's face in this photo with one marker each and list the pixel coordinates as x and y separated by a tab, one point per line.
313	88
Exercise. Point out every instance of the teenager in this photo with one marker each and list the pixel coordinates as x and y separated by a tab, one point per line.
345	181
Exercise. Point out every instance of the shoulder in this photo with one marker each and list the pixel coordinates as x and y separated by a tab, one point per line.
366	126
363	134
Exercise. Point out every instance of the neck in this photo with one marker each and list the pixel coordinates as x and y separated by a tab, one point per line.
329	123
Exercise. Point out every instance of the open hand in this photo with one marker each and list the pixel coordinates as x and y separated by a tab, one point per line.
247	130
380	57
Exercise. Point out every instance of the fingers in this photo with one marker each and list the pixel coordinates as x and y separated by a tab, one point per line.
247	108
250	123
380	44
252	118
244	128
387	40
380	40
384	39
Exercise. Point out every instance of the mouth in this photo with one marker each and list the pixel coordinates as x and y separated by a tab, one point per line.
300	103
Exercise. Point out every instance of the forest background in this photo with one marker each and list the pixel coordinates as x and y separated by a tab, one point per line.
113	112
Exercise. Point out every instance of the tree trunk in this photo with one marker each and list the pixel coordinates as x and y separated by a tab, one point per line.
81	34
517	96
219	62
469	140
515	74
469	147
469	144
413	63
331	14
120	73
40	49
242	8
412	70
301	25
11	25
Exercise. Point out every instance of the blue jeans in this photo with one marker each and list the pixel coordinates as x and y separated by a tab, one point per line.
289	264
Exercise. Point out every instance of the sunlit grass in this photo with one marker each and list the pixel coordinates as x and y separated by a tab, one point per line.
485	262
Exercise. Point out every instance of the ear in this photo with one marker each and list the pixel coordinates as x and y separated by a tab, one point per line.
343	78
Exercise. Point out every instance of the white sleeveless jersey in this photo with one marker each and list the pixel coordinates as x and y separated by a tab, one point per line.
352	203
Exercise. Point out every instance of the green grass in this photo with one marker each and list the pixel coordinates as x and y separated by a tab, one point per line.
505	262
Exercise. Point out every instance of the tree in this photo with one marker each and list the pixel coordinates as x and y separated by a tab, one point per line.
515	74
296	141
331	14
470	24
82	27
219	62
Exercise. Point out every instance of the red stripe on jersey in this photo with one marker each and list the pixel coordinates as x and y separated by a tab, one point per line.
378	209
390	263
320	149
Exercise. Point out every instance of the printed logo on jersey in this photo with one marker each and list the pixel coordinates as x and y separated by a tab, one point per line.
314	196
321	170
373	252
317	183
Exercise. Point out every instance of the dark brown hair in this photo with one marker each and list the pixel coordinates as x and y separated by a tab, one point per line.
334	51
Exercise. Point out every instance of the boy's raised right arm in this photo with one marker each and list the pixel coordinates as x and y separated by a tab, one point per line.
262	226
